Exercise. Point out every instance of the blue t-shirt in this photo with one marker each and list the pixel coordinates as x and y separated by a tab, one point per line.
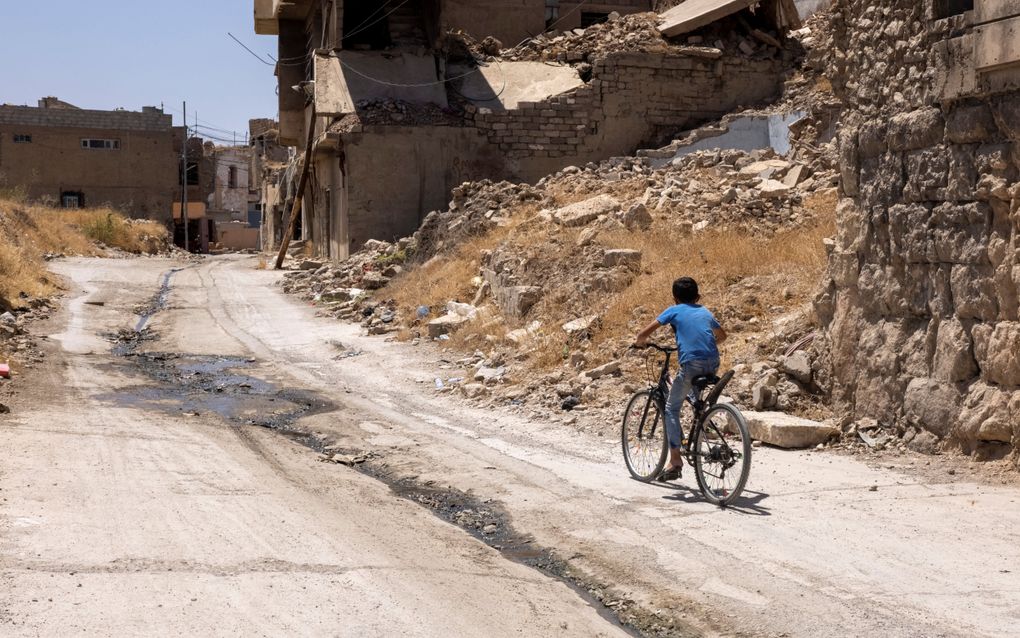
693	325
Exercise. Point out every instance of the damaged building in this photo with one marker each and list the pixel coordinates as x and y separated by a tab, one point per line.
404	101
922	302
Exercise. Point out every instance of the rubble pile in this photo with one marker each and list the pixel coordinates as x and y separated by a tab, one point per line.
476	207
635	33
639	33
387	111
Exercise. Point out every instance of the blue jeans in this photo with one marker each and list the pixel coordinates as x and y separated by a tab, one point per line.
681	388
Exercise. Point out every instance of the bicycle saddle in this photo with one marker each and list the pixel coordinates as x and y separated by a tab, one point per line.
703	381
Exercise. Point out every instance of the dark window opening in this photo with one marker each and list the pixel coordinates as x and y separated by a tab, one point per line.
72	199
946	8
22	139
588	19
366	25
111	145
232	177
192	174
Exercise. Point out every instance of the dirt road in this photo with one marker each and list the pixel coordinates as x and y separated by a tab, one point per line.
141	496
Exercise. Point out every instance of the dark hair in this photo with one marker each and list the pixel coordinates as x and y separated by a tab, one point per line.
685	290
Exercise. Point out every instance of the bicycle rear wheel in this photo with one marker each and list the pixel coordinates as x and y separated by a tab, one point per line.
643	437
722	454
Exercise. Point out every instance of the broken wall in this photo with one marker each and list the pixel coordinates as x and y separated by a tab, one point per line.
397	174
634	99
922	303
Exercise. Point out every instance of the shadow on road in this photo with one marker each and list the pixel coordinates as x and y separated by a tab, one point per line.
749	501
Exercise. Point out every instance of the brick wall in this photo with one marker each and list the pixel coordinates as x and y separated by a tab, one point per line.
634	99
84	119
139	178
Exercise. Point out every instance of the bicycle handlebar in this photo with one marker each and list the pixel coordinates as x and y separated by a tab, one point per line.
655	346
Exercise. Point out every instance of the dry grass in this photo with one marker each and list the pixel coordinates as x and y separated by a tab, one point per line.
27	232
716	261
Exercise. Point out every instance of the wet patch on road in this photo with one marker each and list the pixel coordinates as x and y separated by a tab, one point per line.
198	385
158	302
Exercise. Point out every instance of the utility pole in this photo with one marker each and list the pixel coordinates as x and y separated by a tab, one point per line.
295	210
184	177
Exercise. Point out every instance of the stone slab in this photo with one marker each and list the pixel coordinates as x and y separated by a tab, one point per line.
504	85
788	431
998	44
695	14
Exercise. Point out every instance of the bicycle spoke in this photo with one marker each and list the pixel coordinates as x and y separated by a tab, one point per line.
722	454
643	445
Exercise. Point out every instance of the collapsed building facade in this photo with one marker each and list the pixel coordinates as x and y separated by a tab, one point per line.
405	109
922	304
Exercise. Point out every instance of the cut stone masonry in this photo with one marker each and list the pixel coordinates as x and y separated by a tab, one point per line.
922	305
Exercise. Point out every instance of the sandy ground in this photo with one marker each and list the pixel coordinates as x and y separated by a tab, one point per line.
124	513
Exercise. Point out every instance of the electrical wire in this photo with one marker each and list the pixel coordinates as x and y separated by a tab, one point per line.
486	99
245	47
404	86
363	27
576	8
549	28
297	60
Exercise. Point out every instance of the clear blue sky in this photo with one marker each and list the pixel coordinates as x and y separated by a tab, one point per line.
104	54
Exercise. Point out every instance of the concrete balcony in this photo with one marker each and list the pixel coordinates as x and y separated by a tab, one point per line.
265	17
268	14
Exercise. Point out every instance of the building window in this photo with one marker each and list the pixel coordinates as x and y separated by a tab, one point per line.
365	28
22	139
552	13
232	177
588	19
90	143
192	174
946	8
69	199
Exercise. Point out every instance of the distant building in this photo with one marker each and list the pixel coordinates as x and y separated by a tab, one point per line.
72	157
269	162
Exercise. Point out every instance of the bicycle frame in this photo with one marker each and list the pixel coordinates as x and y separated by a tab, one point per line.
660	392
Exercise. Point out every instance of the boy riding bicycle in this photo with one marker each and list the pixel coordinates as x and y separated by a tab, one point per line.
697	335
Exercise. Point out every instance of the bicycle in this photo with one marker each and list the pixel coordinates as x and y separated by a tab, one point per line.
719	447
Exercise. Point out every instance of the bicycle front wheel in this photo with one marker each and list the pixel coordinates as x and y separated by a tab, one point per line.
722	454
643	437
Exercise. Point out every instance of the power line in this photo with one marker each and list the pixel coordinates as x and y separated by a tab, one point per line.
245	47
404	86
363	27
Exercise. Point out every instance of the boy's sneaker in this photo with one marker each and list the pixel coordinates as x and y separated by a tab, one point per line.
671	474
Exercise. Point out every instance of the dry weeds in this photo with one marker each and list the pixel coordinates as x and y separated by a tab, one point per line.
27	232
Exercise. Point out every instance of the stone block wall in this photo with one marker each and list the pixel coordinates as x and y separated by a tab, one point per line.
921	306
633	99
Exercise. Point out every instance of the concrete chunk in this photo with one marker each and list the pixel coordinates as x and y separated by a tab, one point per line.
587	211
694	14
446	324
788	431
622	257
